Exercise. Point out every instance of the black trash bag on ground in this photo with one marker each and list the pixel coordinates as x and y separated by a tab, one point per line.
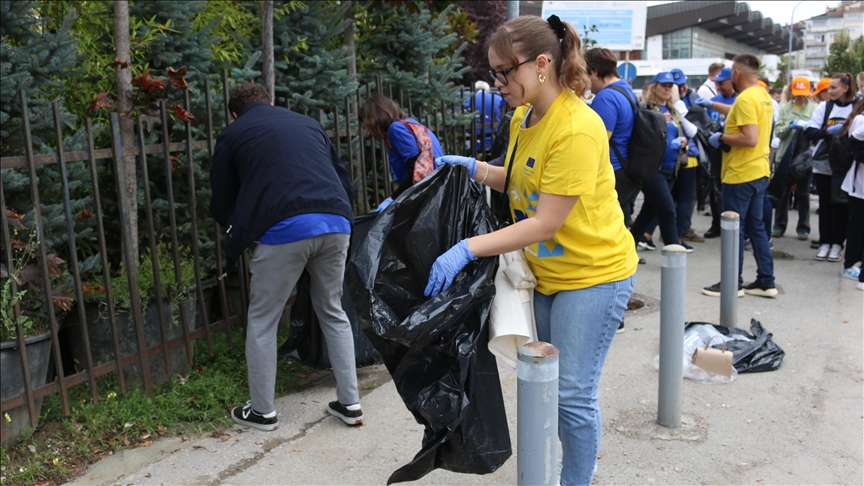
306	342
752	352
435	348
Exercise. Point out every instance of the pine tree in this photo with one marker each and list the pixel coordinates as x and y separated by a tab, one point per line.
36	60
412	50
36	55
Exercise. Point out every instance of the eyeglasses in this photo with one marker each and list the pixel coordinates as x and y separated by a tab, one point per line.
501	76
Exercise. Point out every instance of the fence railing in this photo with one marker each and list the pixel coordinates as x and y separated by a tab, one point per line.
139	331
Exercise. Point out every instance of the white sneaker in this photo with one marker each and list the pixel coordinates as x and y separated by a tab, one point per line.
834	253
822	254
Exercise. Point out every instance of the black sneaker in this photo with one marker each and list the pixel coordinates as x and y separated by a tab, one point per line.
349	416
686	247
760	290
246	416
620	327
714	290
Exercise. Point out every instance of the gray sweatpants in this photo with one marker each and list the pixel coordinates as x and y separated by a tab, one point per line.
275	270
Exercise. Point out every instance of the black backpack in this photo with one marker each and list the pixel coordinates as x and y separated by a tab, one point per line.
647	141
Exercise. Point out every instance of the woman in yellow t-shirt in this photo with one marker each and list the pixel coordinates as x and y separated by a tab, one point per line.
566	218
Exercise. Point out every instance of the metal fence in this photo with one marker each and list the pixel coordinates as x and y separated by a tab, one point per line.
366	159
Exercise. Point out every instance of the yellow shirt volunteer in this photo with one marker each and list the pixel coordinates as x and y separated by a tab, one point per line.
746	164
567	153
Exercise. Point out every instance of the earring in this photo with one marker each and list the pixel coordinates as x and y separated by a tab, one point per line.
541	78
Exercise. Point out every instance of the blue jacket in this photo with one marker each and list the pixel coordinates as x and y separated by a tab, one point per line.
271	164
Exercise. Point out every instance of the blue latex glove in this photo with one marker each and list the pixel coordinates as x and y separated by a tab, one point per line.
447	266
675	144
833	129
468	162
798	124
383	205
715	140
704	103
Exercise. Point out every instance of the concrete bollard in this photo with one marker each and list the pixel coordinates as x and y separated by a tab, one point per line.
730	248
537	414
673	285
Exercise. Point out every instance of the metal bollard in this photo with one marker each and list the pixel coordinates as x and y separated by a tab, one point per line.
673	284
730	247
537	415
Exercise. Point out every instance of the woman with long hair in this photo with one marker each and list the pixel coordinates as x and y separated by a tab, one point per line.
566	218
411	146
853	185
659	202
826	122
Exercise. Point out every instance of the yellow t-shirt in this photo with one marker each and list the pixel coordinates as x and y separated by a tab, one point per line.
745	164
567	153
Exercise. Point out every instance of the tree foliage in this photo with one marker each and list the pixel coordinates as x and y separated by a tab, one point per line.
487	17
845	55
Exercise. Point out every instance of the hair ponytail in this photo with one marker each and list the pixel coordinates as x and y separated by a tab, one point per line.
846	79
570	65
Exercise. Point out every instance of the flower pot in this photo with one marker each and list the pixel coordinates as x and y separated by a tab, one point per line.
12	384
102	338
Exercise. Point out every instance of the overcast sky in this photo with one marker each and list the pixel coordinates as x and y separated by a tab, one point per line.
781	11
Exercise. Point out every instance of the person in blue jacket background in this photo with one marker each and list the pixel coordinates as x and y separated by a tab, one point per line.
410	145
488	107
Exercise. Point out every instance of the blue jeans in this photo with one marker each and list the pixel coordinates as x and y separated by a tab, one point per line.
581	324
748	200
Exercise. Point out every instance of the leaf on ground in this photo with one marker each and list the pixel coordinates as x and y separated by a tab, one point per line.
600	455
126	441
161	430
302	376
177	78
147	444
96	451
182	114
226	437
702	426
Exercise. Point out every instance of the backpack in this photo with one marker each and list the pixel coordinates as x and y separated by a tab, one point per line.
648	140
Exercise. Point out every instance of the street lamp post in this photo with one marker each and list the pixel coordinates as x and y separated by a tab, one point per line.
791	36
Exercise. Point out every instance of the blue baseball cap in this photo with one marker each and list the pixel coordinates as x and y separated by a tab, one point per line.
725	74
678	76
663	77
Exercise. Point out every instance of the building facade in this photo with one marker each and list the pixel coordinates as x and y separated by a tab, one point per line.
820	32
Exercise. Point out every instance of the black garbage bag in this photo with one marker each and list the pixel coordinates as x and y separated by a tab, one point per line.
306	342
752	352
435	348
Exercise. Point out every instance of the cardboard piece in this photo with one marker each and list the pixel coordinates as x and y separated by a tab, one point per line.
713	360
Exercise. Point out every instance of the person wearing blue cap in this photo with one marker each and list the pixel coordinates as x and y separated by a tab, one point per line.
659	202
687	96
718	106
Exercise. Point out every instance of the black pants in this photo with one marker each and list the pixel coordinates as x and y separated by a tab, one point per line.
802	203
714	199
833	217
659	203
855	235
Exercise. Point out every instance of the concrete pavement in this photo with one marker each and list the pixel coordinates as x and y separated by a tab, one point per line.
801	424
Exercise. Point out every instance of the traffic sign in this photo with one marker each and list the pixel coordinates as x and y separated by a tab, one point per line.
627	71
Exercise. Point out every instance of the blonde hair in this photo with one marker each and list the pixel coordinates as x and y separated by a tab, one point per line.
532	36
651	97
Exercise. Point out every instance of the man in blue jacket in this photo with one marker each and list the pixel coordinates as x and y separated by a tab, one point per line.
278	182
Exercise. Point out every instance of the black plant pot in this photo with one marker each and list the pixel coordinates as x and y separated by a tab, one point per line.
102	338
12	384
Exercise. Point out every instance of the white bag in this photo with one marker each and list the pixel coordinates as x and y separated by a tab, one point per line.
512	315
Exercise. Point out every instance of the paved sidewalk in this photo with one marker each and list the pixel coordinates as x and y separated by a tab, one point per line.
801	424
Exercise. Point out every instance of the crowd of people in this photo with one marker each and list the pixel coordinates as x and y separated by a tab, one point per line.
570	173
797	137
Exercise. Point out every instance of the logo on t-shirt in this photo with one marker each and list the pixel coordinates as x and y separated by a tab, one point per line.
530	162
